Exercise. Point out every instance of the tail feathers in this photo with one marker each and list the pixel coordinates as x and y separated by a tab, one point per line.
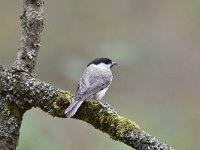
73	107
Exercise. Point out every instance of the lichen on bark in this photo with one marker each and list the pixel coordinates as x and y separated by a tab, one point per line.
11	115
32	26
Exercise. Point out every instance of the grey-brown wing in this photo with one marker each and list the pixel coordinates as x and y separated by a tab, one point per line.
98	85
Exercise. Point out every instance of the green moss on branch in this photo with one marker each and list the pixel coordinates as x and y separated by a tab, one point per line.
27	92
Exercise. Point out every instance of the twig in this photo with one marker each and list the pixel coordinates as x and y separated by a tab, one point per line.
32	26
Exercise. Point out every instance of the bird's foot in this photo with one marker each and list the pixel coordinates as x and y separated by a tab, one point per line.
107	107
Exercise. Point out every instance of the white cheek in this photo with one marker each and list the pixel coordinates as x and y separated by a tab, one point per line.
104	66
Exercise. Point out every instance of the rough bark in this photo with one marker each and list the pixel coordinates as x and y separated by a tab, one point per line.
12	107
20	90
32	26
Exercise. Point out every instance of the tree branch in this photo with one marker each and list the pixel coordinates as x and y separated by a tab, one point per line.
11	108
32	26
54	101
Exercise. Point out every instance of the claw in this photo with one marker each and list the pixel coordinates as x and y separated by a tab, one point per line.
108	107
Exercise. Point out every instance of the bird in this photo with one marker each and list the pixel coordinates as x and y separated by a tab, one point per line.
93	84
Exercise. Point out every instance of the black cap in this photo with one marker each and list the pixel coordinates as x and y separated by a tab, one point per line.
100	60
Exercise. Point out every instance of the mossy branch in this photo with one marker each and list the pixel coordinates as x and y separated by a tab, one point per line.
117	127
35	93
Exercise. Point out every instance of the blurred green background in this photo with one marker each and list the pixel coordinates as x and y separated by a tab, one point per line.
157	81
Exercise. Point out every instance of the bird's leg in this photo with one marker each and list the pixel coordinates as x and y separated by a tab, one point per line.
104	106
108	107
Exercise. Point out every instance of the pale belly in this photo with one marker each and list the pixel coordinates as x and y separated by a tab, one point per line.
99	95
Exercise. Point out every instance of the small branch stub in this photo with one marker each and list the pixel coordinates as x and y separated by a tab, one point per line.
1	68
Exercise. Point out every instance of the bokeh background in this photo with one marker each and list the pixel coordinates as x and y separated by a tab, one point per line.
157	81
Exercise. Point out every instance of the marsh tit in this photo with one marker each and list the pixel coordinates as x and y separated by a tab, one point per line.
93	84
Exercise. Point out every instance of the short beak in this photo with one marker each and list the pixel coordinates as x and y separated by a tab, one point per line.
114	63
